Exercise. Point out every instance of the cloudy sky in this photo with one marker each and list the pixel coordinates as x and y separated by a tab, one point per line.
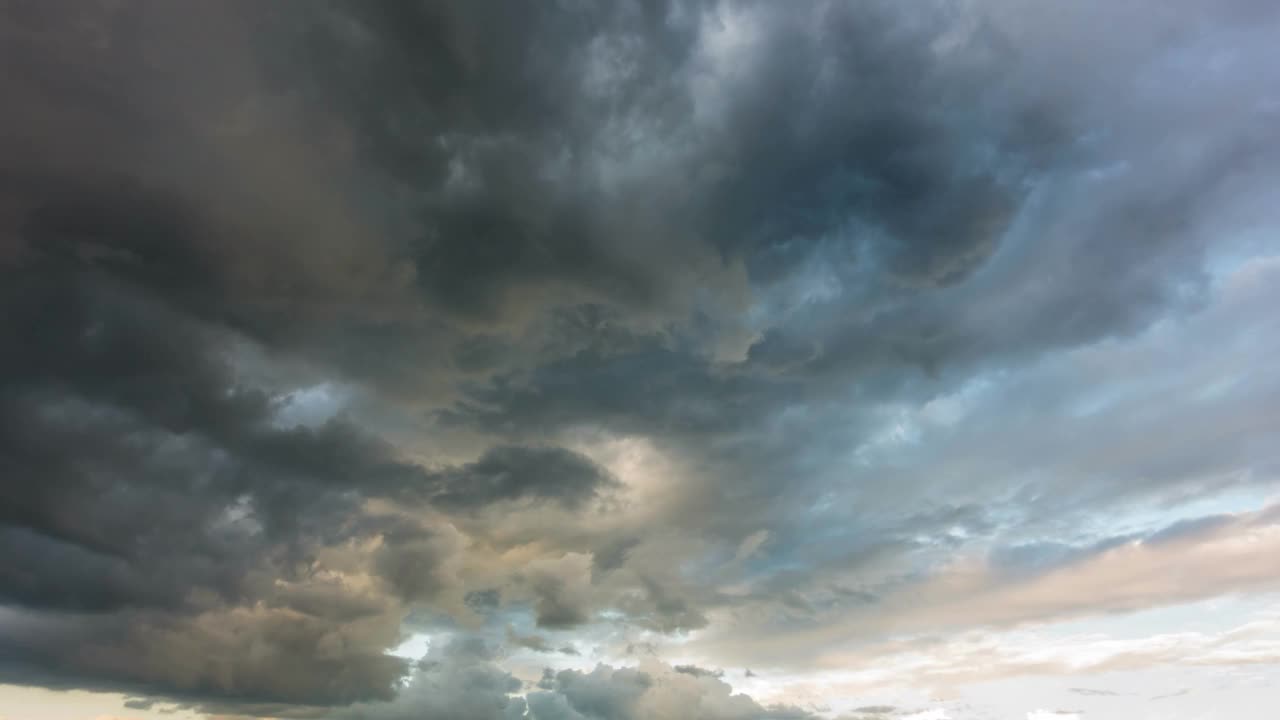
574	360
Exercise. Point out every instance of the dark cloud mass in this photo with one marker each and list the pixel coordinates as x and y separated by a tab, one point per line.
516	473
327	327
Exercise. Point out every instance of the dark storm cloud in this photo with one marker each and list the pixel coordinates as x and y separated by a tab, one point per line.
1116	252
146	487
846	116
506	124
733	229
861	150
471	108
946	198
237	655
517	473
147	483
140	473
555	605
648	389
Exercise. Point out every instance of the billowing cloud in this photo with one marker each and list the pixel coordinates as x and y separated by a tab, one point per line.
458	680
651	691
569	336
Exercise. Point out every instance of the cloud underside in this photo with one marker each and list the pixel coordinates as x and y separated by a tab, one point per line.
570	330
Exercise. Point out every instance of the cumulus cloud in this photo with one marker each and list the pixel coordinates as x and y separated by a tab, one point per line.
457	680
649	692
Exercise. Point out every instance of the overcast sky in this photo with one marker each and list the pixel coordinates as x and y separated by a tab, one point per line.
573	360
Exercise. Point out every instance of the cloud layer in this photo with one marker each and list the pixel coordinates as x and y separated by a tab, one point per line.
639	342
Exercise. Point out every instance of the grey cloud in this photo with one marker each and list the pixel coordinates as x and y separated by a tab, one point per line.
909	328
860	124
666	609
411	567
557	605
612	555
752	236
516	473
476	122
538	643
195	501
648	390
1188	528
240	655
649	693
463	683
484	600
696	671
457	681
602	693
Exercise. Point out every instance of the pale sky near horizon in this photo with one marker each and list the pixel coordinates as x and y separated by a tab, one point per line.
671	360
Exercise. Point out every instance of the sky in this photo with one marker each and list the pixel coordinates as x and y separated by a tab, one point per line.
672	360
